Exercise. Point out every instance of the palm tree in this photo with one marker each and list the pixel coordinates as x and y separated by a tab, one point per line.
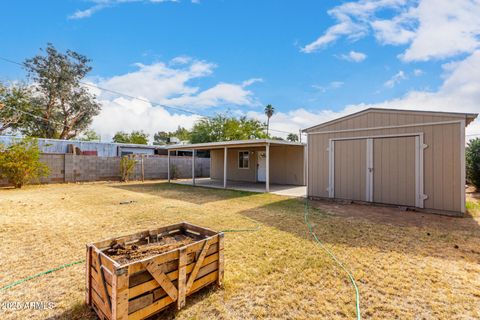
269	111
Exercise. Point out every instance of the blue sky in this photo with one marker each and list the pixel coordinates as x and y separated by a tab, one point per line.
312	60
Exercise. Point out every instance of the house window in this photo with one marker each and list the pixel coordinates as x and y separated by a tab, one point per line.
243	159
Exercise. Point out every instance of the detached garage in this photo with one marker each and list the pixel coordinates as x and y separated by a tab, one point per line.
397	157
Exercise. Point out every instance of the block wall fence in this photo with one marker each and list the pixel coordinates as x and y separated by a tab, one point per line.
82	168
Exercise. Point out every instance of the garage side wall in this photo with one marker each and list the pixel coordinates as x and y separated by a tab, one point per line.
442	162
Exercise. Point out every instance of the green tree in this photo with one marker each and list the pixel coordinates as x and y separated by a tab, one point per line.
14	104
135	137
61	106
20	163
90	135
226	128
292	137
472	161
163	137
269	111
182	134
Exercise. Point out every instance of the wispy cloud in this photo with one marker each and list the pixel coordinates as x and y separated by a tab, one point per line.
353	56
418	72
395	79
330	86
98	5
431	29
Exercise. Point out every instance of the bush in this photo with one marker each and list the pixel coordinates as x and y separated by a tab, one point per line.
472	161
20	163
127	167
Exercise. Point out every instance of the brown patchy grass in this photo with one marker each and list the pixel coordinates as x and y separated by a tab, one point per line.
427	269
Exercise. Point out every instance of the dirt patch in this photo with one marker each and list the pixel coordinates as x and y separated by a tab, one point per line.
124	254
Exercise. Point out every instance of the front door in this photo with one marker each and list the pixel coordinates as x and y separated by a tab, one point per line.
261	166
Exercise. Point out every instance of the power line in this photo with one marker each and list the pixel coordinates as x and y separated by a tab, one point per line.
127	96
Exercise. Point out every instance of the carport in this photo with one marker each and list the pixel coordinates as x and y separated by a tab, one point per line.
248	164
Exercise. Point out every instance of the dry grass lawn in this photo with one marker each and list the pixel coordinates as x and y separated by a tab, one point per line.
407	265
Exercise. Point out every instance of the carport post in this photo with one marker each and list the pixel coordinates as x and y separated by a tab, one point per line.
225	168
193	166
267	174
168	165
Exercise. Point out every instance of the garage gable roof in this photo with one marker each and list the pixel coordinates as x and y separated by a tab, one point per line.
469	117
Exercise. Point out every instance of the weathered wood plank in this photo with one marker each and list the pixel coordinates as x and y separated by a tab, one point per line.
88	279
221	262
120	297
173	275
140	302
144	276
151	309
100	304
198	229
198	264
168	256
159	293
162	279
182	277
103	284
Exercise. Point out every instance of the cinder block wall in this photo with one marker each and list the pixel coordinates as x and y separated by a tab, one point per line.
80	168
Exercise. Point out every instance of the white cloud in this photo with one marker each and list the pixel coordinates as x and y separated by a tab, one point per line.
352	21
395	79
354	56
458	93
249	82
167	85
331	85
102	4
123	114
418	72
432	29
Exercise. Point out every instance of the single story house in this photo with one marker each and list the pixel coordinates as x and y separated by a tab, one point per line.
399	157
251	161
101	149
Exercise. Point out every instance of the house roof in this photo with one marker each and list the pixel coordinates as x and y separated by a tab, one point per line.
469	117
233	144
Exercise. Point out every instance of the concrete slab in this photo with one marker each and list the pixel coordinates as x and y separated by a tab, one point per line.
284	190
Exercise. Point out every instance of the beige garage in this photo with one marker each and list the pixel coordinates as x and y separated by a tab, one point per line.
261	161
398	157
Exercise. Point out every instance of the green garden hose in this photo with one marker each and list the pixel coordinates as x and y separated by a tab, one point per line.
13	284
330	253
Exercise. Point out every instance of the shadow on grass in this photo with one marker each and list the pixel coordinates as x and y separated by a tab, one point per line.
81	311
196	195
381	228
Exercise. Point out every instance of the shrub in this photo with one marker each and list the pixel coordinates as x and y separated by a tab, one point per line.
472	161
127	167
20	163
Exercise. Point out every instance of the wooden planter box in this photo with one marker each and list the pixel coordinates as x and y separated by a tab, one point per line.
139	289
